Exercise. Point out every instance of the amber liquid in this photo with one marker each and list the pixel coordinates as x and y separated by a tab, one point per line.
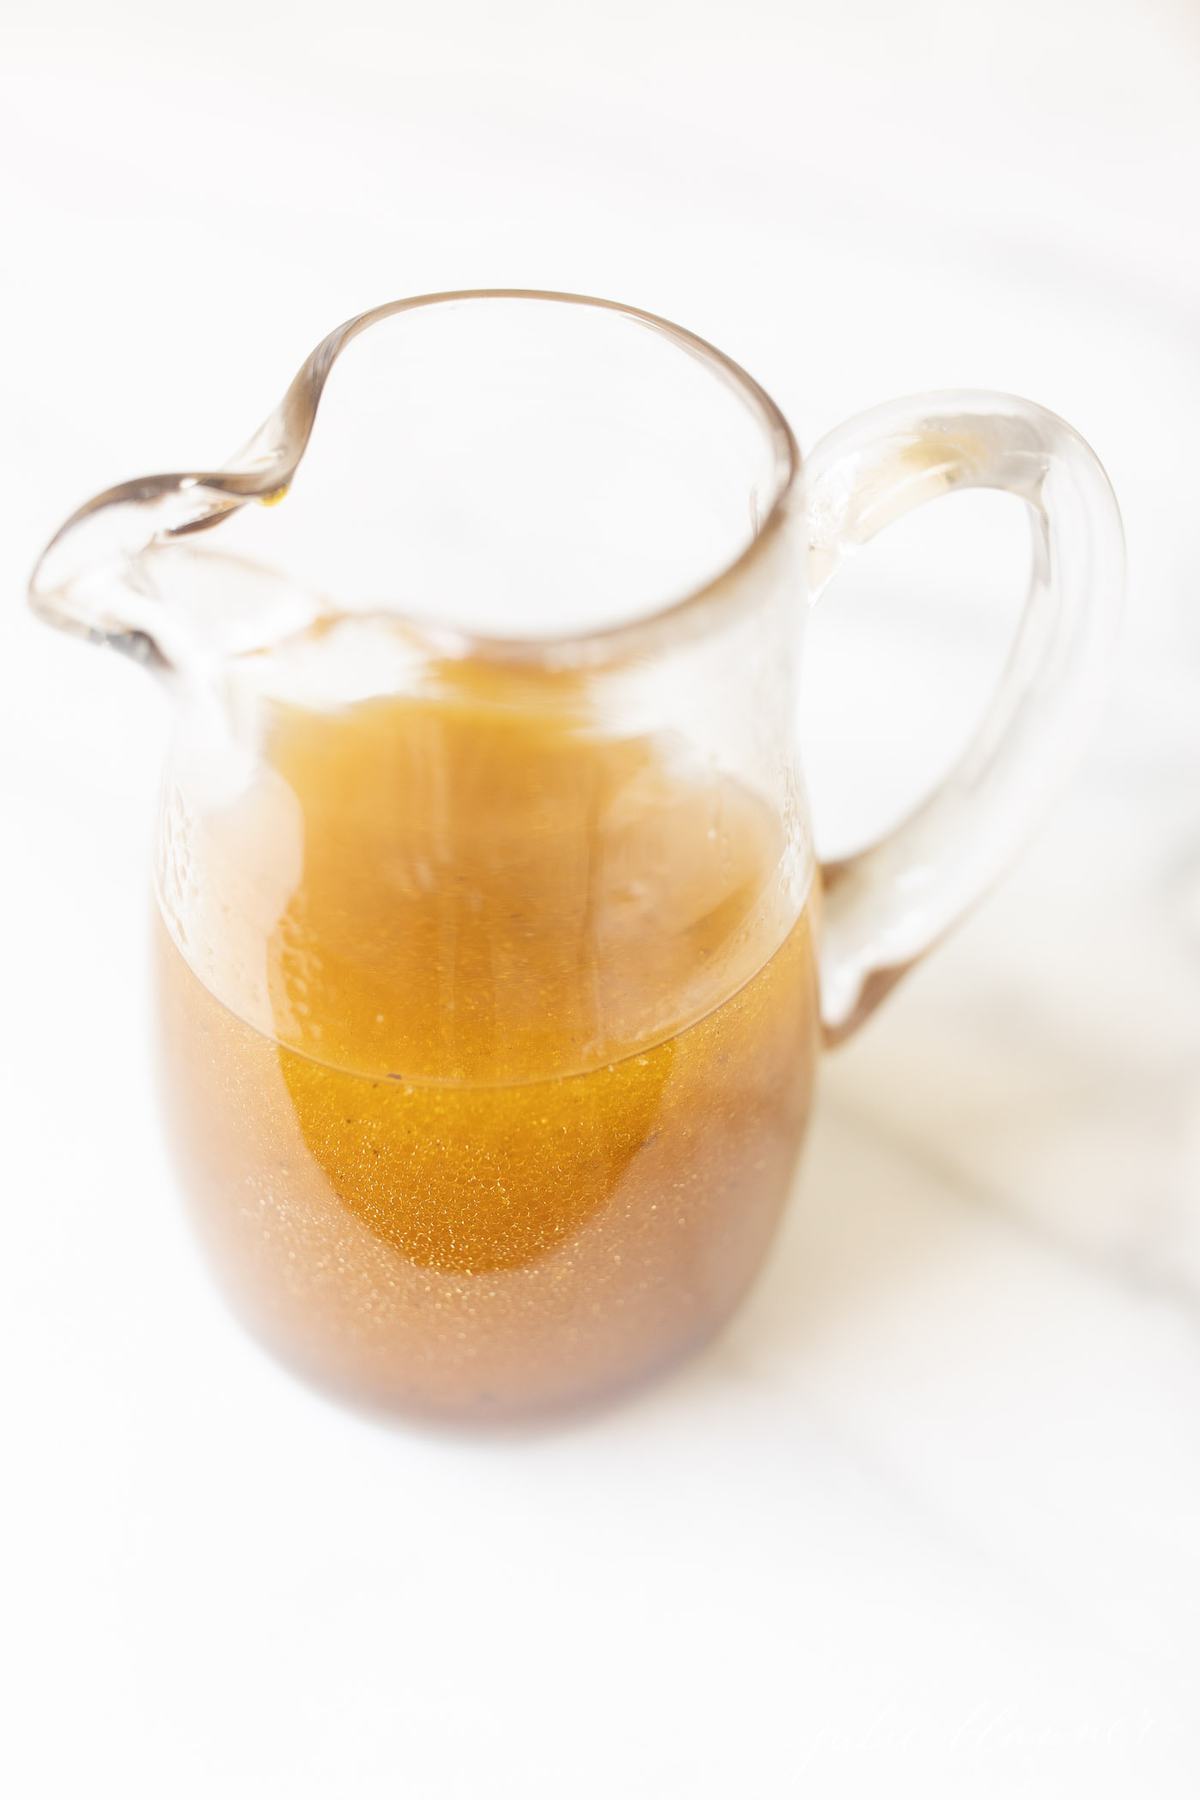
538	1065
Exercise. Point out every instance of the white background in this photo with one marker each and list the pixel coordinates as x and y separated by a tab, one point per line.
925	1520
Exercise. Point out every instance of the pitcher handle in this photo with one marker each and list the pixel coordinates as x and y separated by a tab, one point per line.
890	903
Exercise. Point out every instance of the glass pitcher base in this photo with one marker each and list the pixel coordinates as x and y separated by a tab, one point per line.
555	1403
496	1253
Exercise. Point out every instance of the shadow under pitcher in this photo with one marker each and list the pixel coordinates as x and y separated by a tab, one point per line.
494	960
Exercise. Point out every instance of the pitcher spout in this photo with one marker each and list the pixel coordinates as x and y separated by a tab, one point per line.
101	575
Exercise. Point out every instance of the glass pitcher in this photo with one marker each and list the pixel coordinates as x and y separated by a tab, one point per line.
493	956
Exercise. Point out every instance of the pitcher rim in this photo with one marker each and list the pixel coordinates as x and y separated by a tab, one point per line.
265	466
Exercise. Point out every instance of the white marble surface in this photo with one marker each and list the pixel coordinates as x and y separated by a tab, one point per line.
927	1519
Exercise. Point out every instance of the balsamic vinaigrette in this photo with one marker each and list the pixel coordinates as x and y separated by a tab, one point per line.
541	1059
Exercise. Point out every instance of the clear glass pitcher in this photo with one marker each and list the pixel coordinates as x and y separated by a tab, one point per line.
494	958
